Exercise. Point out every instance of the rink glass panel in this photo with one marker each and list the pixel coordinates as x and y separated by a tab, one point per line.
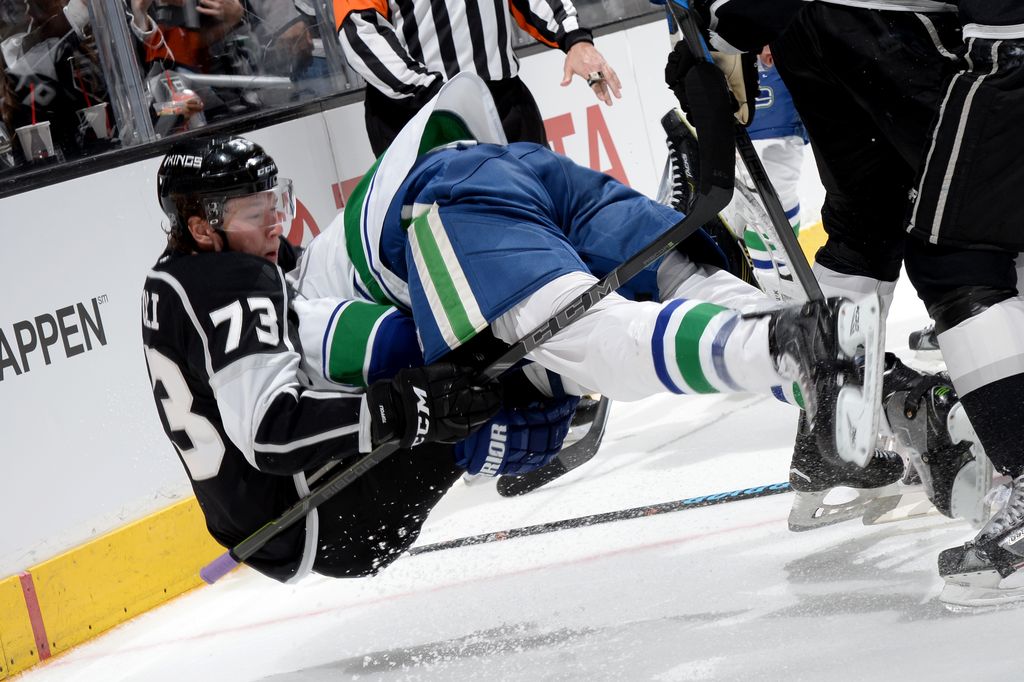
81	90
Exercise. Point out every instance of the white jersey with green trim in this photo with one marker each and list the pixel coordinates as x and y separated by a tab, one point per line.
349	344
344	260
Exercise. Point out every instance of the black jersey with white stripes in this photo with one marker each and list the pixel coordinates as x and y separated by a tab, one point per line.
404	48
749	25
993	19
223	361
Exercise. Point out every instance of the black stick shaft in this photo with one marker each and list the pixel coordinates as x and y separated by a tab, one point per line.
783	230
607	517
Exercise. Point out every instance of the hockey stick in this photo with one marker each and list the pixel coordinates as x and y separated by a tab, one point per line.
607	517
859	326
798	264
576	455
715	190
783	230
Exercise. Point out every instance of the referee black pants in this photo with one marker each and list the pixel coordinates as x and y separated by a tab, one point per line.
516	106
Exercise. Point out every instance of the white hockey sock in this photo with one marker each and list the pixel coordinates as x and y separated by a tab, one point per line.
629	350
854	287
985	348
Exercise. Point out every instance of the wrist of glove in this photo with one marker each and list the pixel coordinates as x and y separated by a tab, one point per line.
518	440
739	70
439	403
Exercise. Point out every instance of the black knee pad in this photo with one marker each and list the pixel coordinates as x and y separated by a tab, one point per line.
956	283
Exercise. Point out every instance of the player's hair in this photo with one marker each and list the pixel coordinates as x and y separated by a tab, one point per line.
179	238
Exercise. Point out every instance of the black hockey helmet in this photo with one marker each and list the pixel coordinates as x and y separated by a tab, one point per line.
206	173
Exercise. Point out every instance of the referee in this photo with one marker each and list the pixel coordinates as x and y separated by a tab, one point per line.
406	49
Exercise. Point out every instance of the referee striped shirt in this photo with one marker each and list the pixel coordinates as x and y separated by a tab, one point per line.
405	47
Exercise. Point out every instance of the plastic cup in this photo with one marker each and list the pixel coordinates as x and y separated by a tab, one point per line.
35	140
95	118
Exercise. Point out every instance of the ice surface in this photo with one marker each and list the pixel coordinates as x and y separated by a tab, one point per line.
722	593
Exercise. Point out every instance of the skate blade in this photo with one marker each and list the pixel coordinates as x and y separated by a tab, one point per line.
858	408
810	511
900	507
982	591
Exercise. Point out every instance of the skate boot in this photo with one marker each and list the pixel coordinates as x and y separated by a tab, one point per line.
920	413
679	191
812	479
679	184
585	411
986	571
832	350
924	340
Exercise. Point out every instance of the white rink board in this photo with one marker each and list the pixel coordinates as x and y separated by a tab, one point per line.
81	450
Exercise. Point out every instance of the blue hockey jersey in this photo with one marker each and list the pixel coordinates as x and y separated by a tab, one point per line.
776	115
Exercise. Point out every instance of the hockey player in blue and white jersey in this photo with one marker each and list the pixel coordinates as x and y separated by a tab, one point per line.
779	137
868	77
483	241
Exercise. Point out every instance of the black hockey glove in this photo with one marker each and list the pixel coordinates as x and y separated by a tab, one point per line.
438	403
740	73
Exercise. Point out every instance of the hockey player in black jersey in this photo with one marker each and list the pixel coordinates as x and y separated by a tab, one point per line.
966	204
224	360
858	74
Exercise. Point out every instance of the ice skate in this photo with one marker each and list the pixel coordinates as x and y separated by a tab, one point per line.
929	425
924	341
985	572
813	479
832	350
766	269
679	184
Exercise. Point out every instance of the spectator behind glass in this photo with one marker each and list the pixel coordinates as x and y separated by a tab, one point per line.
289	44
54	96
182	37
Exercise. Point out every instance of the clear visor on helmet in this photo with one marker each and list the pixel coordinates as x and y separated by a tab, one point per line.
259	211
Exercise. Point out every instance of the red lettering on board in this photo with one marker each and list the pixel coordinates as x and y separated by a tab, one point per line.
303	219
343	190
598	137
558	128
597	130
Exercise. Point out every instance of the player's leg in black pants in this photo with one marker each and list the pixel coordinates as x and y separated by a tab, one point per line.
860	80
867	85
968	227
972	296
369	524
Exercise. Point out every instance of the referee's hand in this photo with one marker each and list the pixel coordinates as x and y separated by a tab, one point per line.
585	61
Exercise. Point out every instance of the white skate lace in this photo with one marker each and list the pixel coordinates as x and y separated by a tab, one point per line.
676	176
1012	513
